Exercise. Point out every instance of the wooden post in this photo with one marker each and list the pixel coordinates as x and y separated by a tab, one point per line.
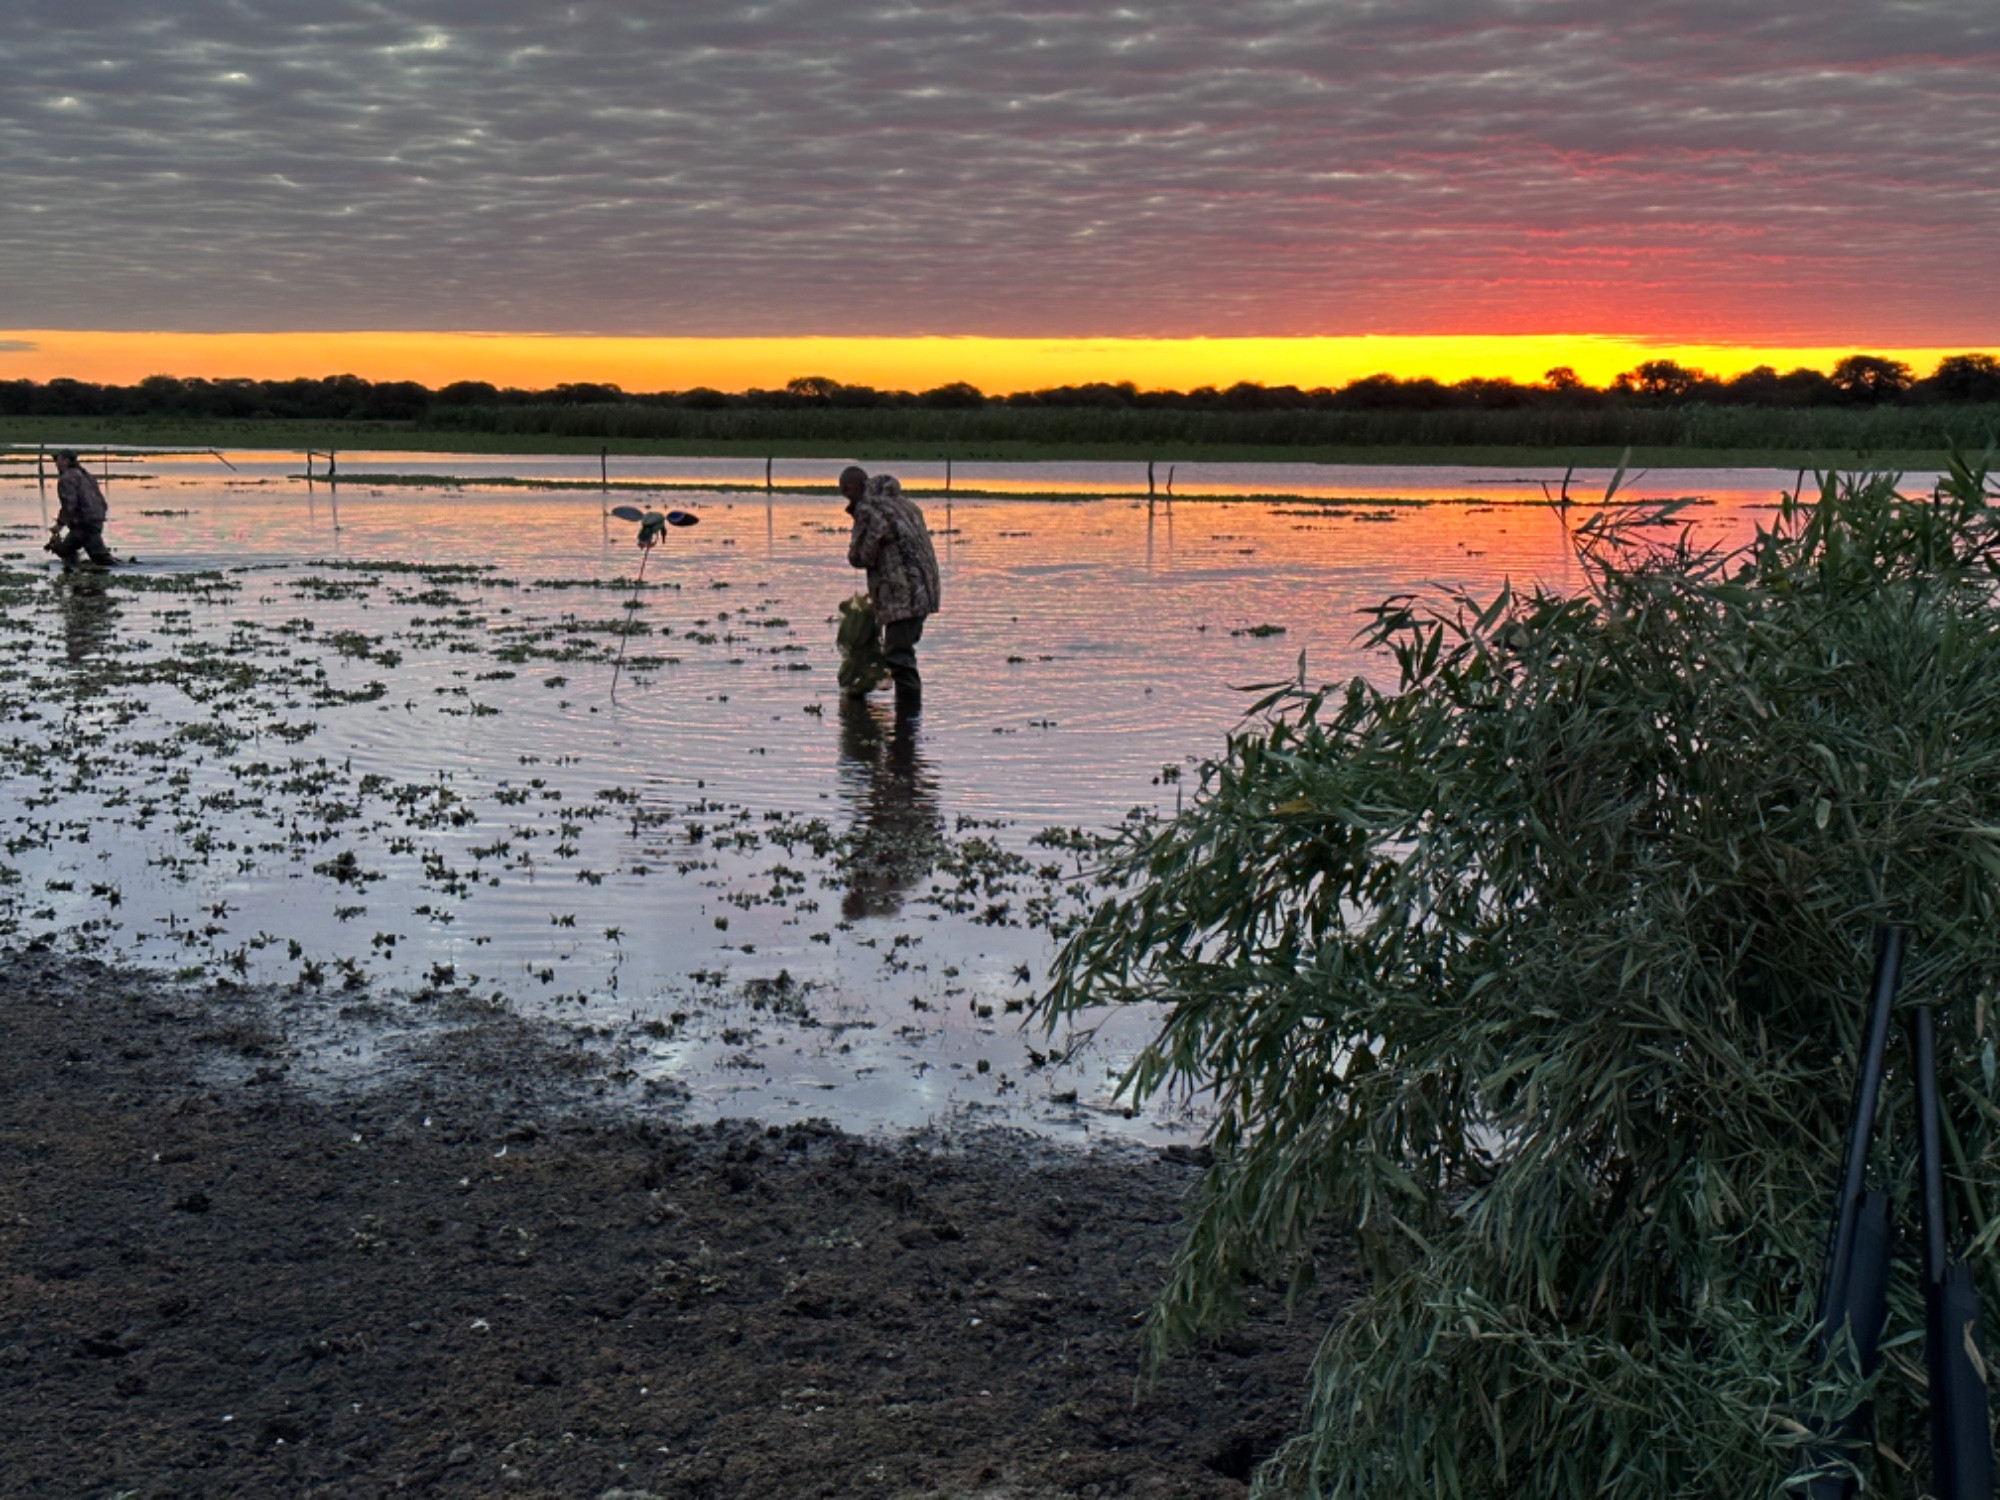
947	476
1149	479
767	476
41	474
330	467
309	466
604	468
1170	480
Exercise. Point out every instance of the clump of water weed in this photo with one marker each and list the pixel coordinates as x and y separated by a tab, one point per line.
859	636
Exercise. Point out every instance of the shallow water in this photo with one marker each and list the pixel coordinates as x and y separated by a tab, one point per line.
366	739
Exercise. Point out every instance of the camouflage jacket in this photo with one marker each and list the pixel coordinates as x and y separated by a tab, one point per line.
79	502
891	541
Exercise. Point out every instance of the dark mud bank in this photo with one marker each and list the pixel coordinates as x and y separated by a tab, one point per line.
478	1276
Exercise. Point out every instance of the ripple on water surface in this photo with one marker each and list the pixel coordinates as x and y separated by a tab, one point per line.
366	739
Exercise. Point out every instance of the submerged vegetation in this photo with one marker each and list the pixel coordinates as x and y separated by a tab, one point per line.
1545	968
373	779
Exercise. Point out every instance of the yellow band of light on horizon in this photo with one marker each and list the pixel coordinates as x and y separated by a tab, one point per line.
995	365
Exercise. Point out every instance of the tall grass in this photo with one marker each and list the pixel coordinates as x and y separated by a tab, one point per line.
1543	973
1804	429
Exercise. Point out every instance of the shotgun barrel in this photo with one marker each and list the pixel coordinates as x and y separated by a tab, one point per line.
1961	1428
1854	1287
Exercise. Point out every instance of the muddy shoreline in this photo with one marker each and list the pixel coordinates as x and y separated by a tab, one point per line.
488	1270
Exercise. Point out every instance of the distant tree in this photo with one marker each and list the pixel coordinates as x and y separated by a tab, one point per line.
812	387
235	398
343	396
158	393
1381	392
958	395
865	395
1868	378
1757	386
586	393
1562	378
1095	393
1764	386
468	393
1387	393
1662	377
1495	395
1965	377
73	398
396	401
1803	386
1248	395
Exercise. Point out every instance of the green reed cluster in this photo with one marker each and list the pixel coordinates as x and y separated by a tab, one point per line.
1542	975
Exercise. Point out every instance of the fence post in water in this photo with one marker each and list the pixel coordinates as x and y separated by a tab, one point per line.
309	466
947	476
41	474
767	476
604	468
1149	479
331	467
1170	480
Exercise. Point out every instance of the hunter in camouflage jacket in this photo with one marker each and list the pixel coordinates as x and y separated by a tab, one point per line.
891	541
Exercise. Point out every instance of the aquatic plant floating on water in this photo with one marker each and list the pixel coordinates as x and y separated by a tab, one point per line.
653	525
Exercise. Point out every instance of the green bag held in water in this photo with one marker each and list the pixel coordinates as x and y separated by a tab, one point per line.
862	668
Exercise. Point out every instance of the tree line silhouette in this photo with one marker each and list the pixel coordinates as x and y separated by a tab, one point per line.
1859	380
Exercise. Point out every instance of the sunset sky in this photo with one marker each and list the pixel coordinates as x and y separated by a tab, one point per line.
1398	182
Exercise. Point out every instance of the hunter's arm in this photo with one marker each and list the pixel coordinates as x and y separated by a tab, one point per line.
865	544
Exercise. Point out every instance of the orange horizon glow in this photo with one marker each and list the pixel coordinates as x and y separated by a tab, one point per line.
997	366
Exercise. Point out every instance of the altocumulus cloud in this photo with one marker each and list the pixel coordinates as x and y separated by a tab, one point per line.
1803	170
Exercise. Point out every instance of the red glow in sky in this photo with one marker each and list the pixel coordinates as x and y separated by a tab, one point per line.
1813	172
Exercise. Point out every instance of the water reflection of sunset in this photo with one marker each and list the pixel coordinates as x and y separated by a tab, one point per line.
455	639
1463	485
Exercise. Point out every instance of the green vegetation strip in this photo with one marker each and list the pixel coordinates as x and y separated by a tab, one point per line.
1918	445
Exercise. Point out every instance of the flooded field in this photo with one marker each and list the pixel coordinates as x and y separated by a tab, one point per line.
363	741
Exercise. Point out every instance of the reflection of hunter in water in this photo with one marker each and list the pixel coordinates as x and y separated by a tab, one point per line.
898	830
89	614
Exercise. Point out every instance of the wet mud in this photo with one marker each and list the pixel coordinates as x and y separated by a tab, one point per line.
491	1269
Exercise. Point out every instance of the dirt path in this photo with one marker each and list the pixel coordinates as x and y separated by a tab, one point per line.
475	1281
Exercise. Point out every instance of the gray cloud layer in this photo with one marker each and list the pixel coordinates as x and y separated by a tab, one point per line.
1820	170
